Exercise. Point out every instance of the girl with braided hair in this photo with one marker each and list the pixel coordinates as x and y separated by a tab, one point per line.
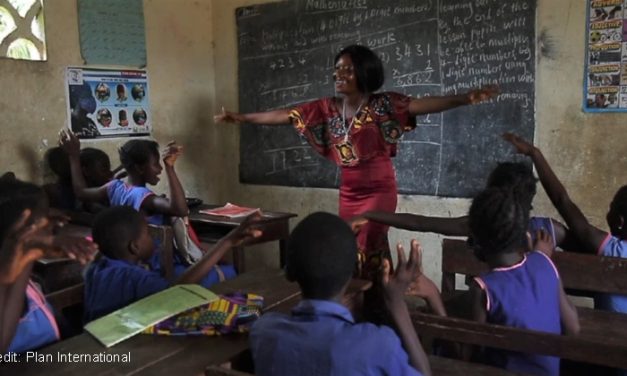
521	290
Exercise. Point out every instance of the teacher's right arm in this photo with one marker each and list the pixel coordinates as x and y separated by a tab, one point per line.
274	117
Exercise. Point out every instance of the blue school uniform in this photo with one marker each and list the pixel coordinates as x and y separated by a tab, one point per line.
612	247
321	337
37	327
527	296
112	284
122	194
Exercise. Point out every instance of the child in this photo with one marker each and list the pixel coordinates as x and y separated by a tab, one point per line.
522	290
140	159
506	174
591	239
320	337
116	279
96	167
60	194
27	321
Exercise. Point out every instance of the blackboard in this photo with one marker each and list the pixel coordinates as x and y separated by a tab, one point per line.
428	47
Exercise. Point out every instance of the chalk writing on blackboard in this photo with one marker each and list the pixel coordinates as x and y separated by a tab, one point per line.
428	47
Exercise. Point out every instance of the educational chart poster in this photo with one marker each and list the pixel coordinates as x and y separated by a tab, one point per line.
108	103
606	63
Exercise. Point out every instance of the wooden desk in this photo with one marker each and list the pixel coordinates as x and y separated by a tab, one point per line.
166	355
210	228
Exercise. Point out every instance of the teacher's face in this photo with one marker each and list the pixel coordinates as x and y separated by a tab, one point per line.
344	76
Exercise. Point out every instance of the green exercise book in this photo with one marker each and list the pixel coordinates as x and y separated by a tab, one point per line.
134	318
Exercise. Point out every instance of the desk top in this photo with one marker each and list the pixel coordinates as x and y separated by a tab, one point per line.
267	216
151	354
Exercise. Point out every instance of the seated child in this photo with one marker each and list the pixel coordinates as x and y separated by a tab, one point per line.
27	321
506	174
591	239
140	159
522	290
320	336
60	194
96	167
116	279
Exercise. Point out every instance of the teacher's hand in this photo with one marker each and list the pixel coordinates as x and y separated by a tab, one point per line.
228	117
484	94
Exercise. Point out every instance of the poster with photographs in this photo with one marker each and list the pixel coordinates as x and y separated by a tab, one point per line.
605	78
107	103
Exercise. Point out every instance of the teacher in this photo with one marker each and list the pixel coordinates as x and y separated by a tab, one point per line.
358	130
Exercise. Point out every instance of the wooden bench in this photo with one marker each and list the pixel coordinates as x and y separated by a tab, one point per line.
603	336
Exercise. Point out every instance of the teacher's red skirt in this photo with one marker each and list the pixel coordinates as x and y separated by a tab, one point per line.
369	186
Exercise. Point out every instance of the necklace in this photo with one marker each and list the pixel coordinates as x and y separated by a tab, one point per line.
350	126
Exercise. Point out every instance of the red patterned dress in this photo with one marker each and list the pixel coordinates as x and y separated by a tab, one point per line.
368	179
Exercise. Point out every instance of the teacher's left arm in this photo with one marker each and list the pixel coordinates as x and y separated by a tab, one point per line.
433	104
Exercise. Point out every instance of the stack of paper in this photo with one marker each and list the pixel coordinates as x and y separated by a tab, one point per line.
230	211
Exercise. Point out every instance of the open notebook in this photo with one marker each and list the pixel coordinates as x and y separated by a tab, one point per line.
134	318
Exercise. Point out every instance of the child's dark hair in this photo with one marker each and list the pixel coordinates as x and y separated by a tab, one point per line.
516	176
497	221
59	162
137	152
321	255
17	196
367	66
114	228
619	203
90	157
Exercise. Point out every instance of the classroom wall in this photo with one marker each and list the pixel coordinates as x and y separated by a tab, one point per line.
180	68
192	66
588	152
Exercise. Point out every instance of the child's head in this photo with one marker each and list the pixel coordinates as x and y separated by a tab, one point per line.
59	162
17	196
517	176
140	159
498	223
122	234
321	255
617	215
96	167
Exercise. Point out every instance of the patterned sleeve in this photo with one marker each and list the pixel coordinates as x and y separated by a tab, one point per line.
309	120
392	115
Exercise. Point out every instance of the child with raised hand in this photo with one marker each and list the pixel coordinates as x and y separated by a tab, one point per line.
116	279
506	174
26	320
320	336
140	159
522	290
591	239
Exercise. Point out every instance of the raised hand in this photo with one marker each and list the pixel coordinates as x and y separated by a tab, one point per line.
74	247
22	245
544	243
484	94
69	143
247	230
396	284
228	117
521	145
171	153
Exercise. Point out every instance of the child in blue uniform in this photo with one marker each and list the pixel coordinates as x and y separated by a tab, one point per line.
522	290
26	320
320	336
591	239
116	279
140	159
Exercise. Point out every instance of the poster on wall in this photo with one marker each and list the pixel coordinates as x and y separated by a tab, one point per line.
605	81
106	103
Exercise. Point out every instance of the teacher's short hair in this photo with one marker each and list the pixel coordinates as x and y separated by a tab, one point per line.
321	255
367	66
